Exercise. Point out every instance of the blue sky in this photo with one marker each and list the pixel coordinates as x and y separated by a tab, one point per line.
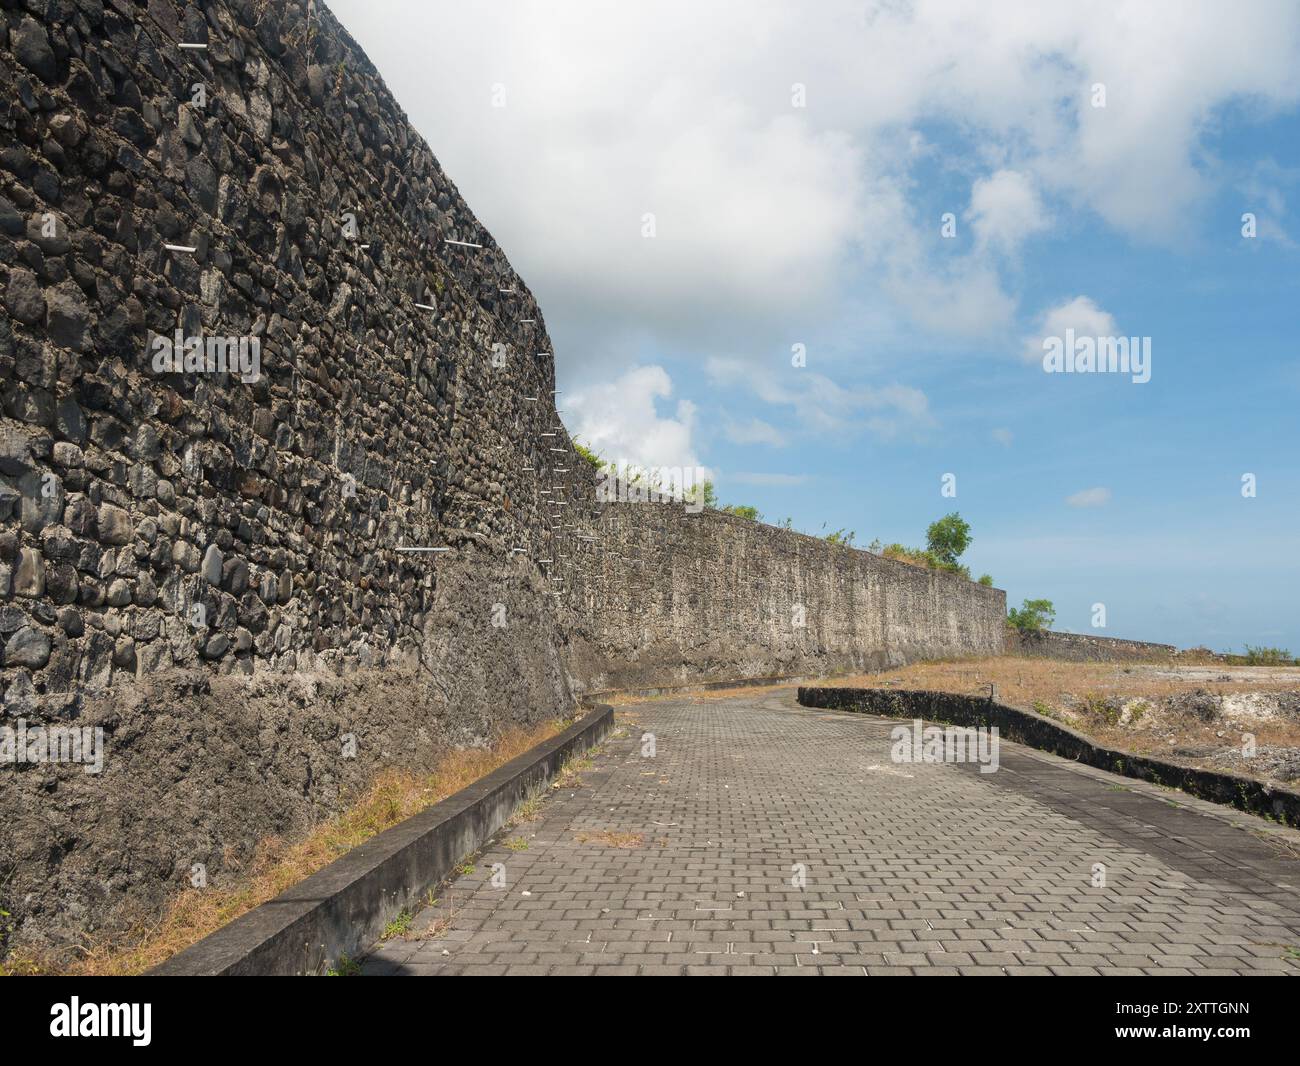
778	224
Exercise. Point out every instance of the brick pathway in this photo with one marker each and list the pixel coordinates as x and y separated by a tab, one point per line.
919	869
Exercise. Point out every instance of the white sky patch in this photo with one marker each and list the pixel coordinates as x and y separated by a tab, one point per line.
1005	210
620	421
1080	314
820	405
754	431
1096	497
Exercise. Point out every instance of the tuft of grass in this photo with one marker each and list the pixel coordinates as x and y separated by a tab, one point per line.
277	864
528	811
517	844
569	775
346	966
399	926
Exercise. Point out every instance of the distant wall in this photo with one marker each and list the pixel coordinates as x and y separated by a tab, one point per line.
674	597
1083	648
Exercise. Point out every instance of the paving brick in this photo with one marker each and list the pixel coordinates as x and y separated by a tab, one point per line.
769	832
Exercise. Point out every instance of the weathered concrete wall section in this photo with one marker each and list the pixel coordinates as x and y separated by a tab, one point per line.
1084	647
676	597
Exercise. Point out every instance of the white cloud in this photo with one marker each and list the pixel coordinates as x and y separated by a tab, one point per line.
1005	209
822	406
754	431
620	421
1080	314
1097	497
768	213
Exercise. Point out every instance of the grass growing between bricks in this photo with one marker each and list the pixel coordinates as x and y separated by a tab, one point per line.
277	865
611	839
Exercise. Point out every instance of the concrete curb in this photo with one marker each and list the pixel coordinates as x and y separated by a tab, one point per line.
342	909
1035	731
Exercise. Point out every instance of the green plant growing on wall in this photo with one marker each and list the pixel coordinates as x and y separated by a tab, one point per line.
840	537
986	579
589	456
1033	617
741	510
703	492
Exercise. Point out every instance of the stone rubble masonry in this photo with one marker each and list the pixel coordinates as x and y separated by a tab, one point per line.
1084	647
174	545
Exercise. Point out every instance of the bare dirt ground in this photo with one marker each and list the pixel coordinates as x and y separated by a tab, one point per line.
1245	719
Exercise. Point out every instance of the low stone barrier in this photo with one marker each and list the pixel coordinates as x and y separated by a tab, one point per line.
1035	731
343	909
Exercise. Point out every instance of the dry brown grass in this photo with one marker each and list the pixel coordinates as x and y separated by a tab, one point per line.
394	796
1021	681
1047	685
612	839
570	775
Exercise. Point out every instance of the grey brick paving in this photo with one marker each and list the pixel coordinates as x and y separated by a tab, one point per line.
909	869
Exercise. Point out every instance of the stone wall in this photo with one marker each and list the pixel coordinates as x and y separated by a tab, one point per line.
212	566
1084	647
674	597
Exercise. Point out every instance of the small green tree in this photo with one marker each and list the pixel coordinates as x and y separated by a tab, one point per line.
1034	616
948	538
702	494
741	510
986	579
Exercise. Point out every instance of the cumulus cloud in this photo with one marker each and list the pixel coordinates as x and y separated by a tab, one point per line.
1080	314
1096	497
1005	209
620	420
770	216
767	213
